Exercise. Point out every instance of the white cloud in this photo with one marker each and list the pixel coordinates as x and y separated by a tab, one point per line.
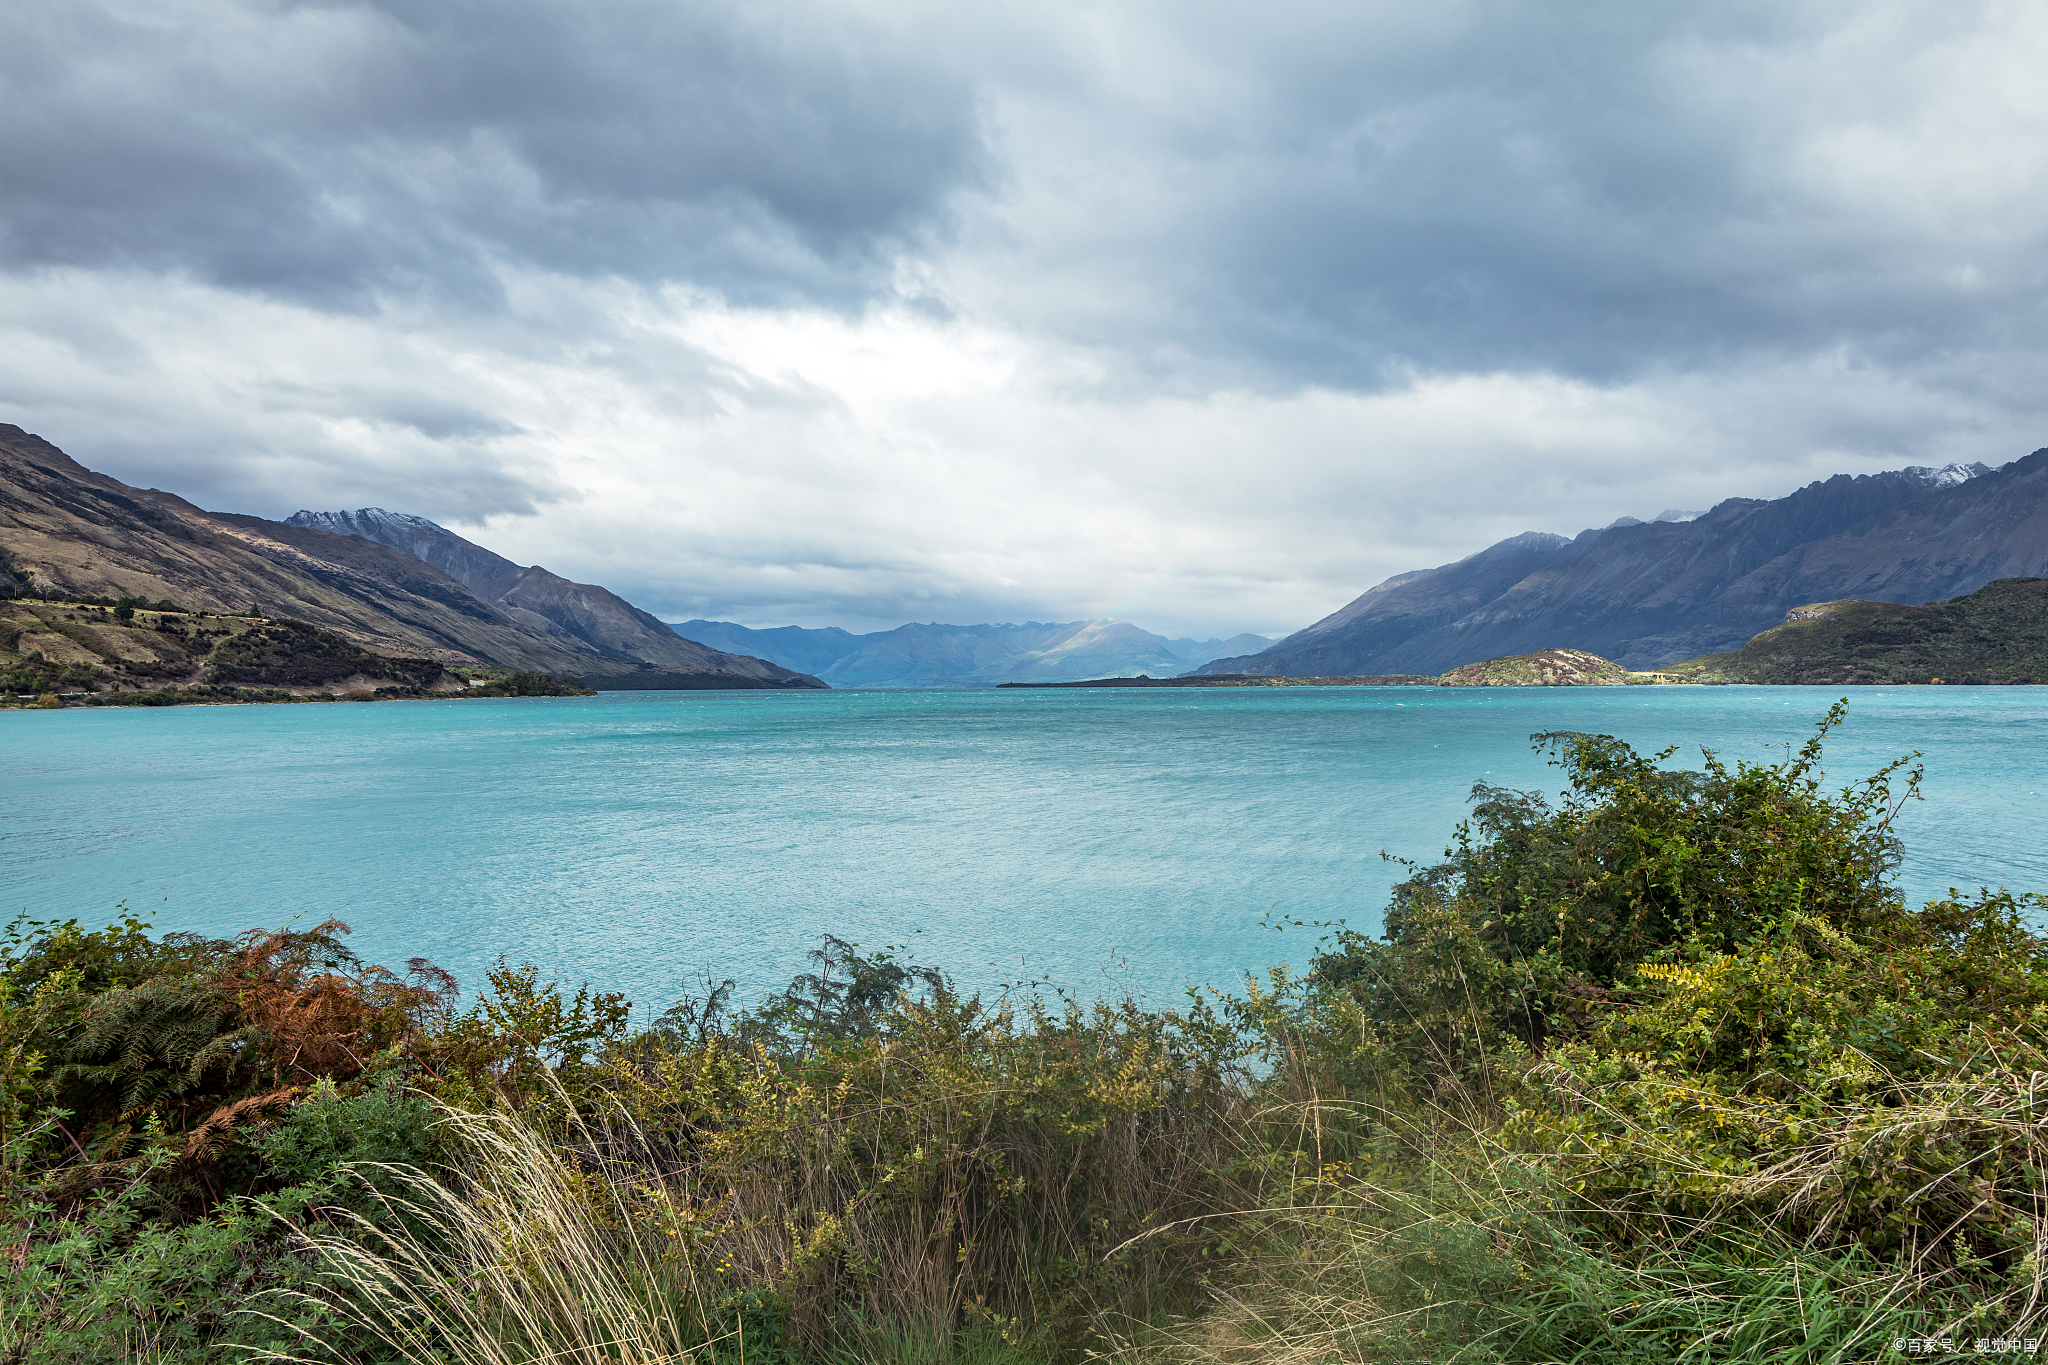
776	465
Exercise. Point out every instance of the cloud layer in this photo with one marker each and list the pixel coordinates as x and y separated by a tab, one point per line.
338	154
853	314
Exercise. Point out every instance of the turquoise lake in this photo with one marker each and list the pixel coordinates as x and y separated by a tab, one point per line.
1099	839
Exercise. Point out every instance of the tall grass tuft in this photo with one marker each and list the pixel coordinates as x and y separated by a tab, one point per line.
517	1257
1463	1250
954	1182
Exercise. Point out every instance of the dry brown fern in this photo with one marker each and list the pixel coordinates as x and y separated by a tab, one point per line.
206	1142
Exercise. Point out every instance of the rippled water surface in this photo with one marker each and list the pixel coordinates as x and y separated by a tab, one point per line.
637	838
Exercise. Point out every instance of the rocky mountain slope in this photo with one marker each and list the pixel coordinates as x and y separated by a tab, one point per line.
937	655
1650	593
66	531
596	619
1997	634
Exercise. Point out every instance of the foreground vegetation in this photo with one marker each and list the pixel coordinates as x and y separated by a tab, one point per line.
1663	1070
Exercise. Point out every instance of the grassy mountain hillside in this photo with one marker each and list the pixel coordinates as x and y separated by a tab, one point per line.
70	533
1647	594
106	653
1997	634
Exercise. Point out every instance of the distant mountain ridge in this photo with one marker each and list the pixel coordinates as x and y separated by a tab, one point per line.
987	655
913	655
1650	593
801	647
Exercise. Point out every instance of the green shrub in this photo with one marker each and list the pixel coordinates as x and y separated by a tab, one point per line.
1666	1071
35	674
383	1125
529	685
937	1163
1539	913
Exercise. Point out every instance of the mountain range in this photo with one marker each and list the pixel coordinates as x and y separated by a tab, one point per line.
941	656
400	585
1645	594
68	531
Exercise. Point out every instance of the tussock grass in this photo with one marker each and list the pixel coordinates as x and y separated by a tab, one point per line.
959	1185
517	1258
1468	1246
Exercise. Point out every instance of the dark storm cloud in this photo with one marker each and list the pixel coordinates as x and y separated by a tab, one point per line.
1344	194
1212	193
327	152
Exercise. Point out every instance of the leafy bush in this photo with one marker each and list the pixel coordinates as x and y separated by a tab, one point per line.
1539	914
529	685
1666	1071
168	1107
294	654
36	674
887	1151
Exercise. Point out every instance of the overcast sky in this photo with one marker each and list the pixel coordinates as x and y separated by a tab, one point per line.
1205	316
